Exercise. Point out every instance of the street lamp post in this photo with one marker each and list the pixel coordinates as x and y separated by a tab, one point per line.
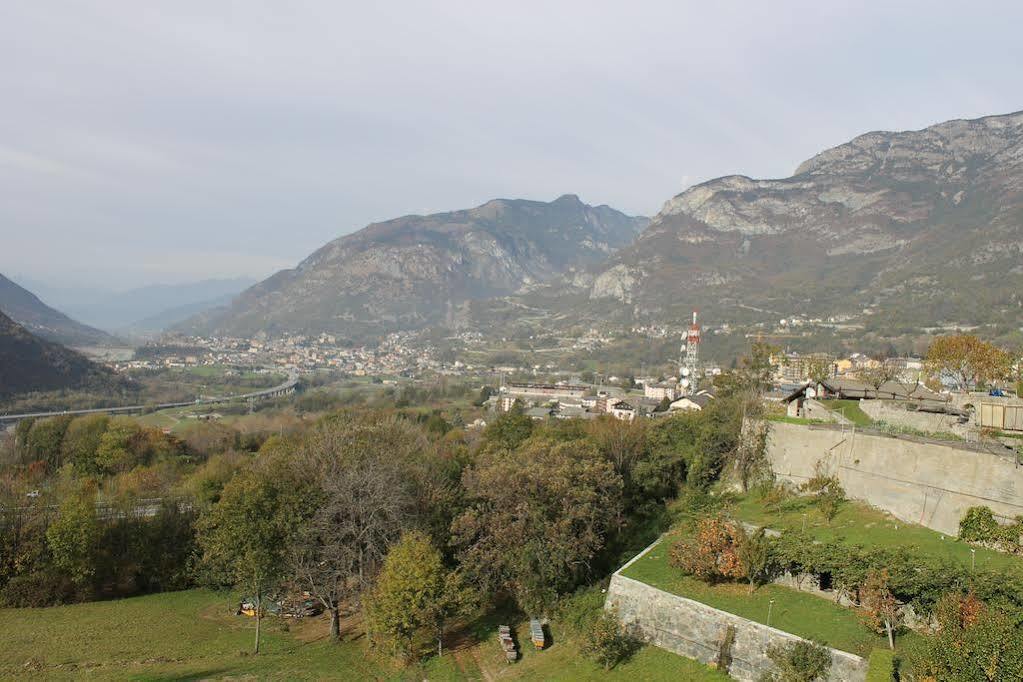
973	559
770	607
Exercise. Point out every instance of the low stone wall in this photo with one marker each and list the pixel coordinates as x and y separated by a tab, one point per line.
916	480
695	630
895	413
815	410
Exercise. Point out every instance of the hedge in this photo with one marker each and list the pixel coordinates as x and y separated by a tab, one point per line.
882	666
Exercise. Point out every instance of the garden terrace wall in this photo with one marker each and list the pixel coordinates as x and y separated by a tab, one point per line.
920	481
693	629
896	414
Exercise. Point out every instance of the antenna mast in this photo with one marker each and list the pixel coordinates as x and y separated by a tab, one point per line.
690	357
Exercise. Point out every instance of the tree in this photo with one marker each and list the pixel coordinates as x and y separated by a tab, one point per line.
749	456
967	360
800	661
43	442
81	440
819	367
624	445
879	372
606	641
73	538
510	429
414	595
754	554
974	643
712	553
536	519
756	370
880	609
245	538
828	491
364	502
114	452
484	396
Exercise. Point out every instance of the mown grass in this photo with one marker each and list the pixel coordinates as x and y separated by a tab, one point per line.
860	524
796	612
850	409
194	634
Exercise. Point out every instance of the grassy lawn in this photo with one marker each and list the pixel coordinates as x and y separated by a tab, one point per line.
195	635
859	524
851	410
797	612
785	419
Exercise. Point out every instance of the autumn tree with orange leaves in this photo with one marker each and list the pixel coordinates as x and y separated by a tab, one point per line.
712	553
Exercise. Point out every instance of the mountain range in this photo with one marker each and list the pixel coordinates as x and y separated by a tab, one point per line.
416	270
25	308
910	228
29	363
141	311
898	229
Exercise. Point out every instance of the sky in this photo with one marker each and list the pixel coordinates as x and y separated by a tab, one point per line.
163	142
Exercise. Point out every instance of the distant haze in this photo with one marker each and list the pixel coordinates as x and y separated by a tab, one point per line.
170	142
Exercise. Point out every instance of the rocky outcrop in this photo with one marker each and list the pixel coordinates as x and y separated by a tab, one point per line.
919	225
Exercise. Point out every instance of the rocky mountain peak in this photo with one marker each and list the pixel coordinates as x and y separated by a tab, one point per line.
415	270
909	220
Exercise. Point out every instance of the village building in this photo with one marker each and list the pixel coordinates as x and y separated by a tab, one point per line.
660	391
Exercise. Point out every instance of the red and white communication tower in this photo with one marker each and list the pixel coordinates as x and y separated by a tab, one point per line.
690	357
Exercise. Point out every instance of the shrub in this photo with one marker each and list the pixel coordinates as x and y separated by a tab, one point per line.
800	661
978	525
828	491
882	666
44	587
607	642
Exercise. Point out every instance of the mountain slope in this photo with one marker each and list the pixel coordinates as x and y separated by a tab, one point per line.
29	363
138	309
417	270
26	309
915	227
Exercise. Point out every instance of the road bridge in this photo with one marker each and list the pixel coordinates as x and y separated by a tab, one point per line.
283	389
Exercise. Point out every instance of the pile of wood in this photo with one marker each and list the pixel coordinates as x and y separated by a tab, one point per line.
511	651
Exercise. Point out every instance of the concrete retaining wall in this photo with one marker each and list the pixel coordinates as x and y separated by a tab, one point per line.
695	630
917	481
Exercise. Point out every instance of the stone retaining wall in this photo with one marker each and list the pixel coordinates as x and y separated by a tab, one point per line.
919	481
895	413
695	630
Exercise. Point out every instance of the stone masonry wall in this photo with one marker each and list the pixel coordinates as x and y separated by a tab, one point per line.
917	481
695	630
897	414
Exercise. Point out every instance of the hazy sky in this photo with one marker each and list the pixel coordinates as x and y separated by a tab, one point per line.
147	142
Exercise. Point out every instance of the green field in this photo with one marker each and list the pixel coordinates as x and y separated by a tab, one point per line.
850	409
860	524
195	635
797	612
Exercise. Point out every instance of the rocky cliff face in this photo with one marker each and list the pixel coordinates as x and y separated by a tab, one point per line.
418	270
922	226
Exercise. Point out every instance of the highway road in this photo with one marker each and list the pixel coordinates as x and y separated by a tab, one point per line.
286	387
